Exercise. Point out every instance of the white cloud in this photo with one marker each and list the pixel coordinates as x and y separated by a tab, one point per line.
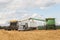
4	1
14	4
10	8
57	1
34	15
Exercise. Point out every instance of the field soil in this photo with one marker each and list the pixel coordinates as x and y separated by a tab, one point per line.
30	35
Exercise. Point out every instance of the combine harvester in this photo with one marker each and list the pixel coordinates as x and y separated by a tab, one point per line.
50	23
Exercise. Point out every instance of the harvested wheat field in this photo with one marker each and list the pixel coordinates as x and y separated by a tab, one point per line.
30	35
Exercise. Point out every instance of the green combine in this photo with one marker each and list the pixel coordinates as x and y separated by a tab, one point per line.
50	23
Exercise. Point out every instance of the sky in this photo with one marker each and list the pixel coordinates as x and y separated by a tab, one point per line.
20	9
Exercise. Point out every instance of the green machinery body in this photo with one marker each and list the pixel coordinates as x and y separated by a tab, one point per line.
50	23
